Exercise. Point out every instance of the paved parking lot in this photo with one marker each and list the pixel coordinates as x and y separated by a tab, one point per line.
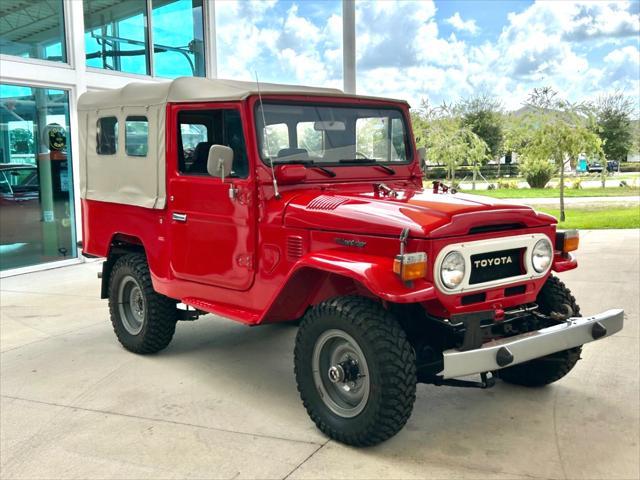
221	401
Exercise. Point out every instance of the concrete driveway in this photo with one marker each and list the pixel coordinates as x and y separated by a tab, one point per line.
221	401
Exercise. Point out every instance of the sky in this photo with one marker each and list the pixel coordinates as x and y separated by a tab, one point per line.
439	51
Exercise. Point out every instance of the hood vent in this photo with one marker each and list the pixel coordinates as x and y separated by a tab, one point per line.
495	228
294	247
326	202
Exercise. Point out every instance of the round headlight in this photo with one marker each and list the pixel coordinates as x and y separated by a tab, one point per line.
452	270
541	255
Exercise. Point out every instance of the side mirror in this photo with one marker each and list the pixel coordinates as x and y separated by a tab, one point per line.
220	161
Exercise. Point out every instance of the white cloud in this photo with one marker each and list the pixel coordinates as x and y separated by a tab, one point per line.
461	25
401	52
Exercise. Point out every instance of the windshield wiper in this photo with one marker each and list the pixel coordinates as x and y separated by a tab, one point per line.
369	161
307	164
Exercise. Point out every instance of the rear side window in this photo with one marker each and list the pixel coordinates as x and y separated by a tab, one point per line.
136	134
107	136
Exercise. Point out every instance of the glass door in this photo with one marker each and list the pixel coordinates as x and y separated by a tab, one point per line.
37	218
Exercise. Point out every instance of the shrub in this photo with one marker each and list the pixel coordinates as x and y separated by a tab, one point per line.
537	172
491	186
577	184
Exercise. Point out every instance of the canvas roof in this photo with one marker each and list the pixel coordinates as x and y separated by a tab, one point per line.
190	89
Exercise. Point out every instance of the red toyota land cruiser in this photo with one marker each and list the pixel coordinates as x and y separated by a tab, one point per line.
275	203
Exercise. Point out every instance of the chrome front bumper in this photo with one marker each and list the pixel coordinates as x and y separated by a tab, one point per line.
511	351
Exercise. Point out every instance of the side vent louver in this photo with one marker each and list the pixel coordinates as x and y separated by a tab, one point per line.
294	247
326	202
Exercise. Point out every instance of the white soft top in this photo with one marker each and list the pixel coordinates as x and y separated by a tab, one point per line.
190	89
140	180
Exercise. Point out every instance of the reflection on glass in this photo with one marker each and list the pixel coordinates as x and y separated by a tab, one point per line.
288	41
347	135
136	136
116	35
33	29
178	38
36	188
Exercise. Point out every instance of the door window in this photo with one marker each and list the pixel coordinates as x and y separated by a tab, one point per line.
200	129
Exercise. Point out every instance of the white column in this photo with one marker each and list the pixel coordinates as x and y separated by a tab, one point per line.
210	52
349	45
74	20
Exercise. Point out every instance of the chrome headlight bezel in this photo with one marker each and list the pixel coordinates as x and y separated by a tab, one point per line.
542	255
454	258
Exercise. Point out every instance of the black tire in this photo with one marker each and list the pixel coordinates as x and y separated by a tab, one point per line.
389	359
545	370
157	317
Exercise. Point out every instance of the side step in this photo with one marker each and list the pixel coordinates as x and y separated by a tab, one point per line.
243	316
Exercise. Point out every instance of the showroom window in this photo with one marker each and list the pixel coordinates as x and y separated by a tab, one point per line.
178	51
33	29
295	42
117	37
37	219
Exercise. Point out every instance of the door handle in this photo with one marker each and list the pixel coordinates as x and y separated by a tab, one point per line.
179	217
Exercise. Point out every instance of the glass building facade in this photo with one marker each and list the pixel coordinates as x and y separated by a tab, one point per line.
52	51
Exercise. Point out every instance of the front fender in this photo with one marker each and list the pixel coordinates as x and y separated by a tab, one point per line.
374	272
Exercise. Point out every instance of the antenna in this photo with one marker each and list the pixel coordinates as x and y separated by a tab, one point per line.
266	136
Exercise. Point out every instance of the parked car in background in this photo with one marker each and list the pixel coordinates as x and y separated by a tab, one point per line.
595	167
613	166
19	201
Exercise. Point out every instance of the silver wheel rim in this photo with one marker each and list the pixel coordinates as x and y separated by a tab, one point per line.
340	373
131	304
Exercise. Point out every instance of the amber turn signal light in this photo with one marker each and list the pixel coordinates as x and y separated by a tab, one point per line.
567	241
410	266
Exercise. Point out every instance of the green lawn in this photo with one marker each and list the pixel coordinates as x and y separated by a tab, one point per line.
590	218
555	192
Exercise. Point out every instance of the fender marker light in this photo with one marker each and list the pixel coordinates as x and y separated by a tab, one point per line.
567	241
410	266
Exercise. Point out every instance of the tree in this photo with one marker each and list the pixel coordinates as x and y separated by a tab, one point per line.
453	144
560	132
519	134
483	115
613	118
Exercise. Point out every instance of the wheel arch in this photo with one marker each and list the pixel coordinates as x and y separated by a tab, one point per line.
319	276
120	244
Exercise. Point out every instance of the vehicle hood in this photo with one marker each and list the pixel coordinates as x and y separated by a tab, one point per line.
427	214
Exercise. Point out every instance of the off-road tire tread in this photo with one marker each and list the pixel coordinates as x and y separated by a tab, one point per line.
397	358
161	310
541	372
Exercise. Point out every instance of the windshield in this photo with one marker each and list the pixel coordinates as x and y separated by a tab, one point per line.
321	134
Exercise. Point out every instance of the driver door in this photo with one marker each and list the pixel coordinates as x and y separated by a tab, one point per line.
212	232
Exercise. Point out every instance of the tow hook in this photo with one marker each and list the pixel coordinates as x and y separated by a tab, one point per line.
564	316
